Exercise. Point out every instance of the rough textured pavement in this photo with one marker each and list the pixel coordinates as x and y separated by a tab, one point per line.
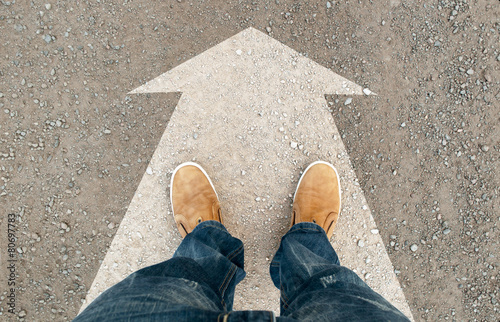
74	146
253	113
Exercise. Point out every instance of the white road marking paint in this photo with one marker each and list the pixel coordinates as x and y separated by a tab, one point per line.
253	114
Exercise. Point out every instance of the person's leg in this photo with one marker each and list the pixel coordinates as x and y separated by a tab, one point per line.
314	286
306	269
198	282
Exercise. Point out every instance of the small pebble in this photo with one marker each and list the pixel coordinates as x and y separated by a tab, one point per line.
348	101
48	6
414	247
470	71
361	243
293	144
487	76
366	91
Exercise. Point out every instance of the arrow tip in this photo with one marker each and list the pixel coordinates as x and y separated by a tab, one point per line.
368	92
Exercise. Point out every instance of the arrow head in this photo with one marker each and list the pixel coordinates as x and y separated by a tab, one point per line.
251	57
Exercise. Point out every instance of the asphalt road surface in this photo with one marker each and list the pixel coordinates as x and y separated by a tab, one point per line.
74	144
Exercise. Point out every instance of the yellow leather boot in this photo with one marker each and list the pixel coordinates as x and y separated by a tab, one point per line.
193	197
318	197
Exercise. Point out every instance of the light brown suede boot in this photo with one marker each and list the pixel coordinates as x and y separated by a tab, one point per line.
318	197
193	197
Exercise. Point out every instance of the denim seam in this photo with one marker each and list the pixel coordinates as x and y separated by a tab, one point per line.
223	303
284	298
234	253
224	316
227	279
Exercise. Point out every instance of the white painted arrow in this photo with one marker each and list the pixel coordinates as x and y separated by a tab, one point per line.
253	114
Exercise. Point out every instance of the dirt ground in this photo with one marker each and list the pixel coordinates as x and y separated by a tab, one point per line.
73	145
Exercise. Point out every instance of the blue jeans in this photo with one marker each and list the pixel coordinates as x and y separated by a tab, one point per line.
198	282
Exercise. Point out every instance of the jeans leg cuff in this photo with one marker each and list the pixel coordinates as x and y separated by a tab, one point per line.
306	226
210	223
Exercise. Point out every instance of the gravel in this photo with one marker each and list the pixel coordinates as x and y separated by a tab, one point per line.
64	78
